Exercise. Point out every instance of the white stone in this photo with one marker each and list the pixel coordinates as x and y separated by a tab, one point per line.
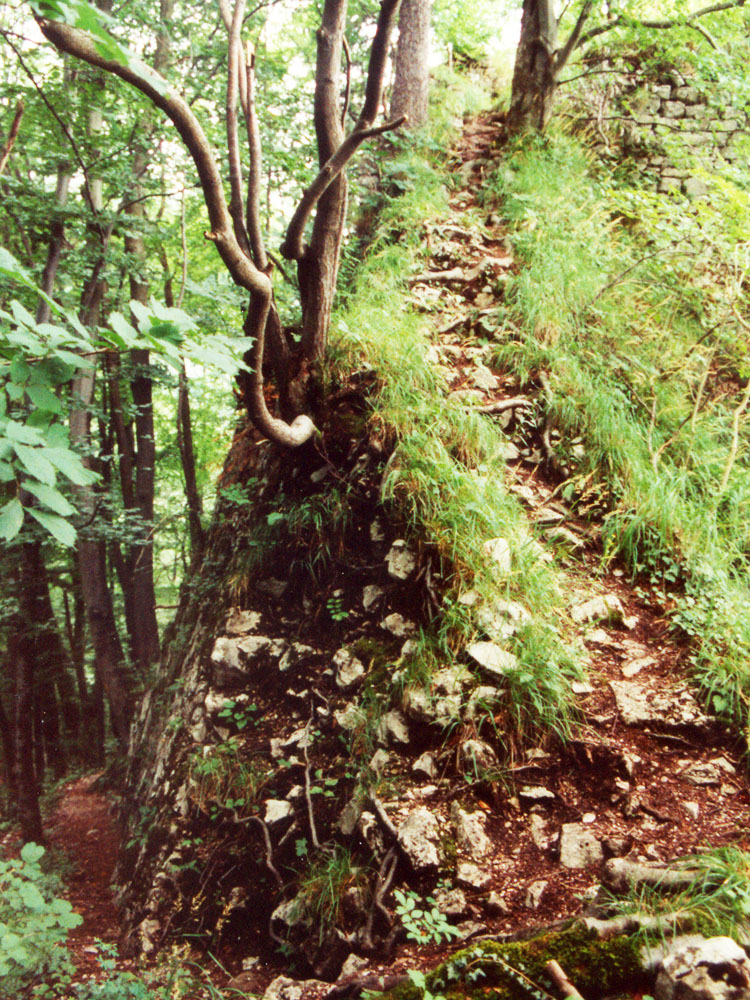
711	969
579	848
605	607
399	626
472	876
419	835
296	652
371	595
477	758
692	809
493	658
470	832
278	810
498	551
536	793
352	965
393	728
283	988
401	560
241	622
349	670
482	378
502	619
534	894
425	765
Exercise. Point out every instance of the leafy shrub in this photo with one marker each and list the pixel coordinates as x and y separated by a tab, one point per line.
34	922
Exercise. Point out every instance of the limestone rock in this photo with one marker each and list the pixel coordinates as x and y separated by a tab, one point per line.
371	595
419	835
579	848
472	876
695	187
401	560
399	626
710	772
470	832
273	587
349	670
296	652
277	811
283	988
534	894
353	965
606	607
233	658
450	680
492	658
241	622
477	758
451	902
393	728
502	619
481	701
497	905
498	551
713	969
673	706
482	378
426	765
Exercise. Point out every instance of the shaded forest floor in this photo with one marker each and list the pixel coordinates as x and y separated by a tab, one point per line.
648	775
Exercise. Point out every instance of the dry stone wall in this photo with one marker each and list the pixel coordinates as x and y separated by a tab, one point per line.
671	127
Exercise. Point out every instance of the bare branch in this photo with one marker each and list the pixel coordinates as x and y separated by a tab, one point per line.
233	143
336	155
254	230
12	135
567	50
78	44
659	25
292	247
348	90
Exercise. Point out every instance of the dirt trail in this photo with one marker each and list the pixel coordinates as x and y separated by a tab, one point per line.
649	775
83	829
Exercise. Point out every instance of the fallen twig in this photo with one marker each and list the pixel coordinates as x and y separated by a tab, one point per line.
501	405
561	981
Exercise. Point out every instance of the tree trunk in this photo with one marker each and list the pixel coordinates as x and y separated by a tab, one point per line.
187	459
412	71
535	72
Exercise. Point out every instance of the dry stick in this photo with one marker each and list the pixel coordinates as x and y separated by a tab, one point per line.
252	216
308	796
382	885
735	438
561	981
269	848
501	405
233	142
12	135
348	90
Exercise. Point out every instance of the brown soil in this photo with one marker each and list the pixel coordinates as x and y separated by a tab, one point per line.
83	831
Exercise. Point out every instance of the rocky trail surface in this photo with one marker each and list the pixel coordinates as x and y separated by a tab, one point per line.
648	777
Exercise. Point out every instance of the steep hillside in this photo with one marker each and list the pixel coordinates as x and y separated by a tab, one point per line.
455	648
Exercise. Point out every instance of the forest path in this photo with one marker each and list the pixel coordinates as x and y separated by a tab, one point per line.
83	829
649	774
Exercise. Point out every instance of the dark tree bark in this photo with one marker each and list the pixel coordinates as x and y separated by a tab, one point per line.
534	73
539	60
411	85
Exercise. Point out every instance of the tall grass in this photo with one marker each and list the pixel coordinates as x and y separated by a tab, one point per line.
447	477
629	303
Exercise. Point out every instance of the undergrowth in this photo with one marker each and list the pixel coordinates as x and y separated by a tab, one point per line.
447	474
633	307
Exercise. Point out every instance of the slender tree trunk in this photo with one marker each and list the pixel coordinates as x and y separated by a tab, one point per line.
187	459
534	73
411	83
6	738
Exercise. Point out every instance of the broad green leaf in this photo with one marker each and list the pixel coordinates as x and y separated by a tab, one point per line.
71	466
19	370
22	315
127	334
10	267
58	527
31	853
21	433
11	519
36	464
44	398
32	897
6	472
51	498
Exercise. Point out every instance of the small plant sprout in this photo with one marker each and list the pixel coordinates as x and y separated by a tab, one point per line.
423	921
